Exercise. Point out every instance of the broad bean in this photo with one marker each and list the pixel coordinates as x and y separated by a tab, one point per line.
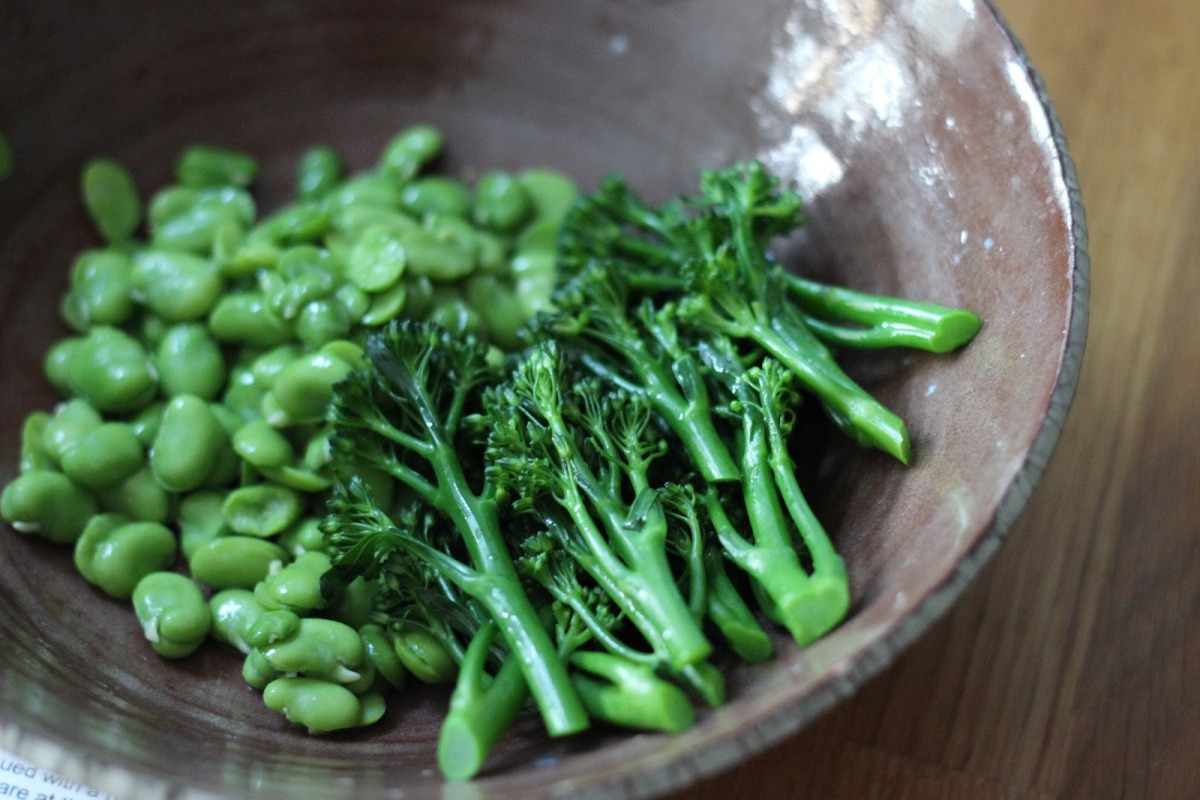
319	648
262	510
316	705
177	285
304	388
297	586
102	282
188	445
234	561
318	172
173	612
409	151
234	612
200	521
205	165
140	496
112	371
104	456
47	504
190	362
111	198
116	557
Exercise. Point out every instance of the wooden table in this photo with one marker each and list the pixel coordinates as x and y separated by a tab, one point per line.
1071	667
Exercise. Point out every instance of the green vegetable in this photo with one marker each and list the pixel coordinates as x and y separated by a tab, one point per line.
48	504
174	614
116	554
235	562
204	166
111	199
404	418
573	449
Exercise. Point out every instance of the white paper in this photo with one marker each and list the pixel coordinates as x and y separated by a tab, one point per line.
20	780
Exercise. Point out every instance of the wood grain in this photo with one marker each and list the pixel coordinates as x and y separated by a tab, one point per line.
1071	668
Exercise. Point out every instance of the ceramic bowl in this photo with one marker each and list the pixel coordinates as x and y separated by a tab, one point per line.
934	168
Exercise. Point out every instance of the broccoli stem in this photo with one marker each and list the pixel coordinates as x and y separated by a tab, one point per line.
851	407
883	321
630	694
481	709
730	614
494	581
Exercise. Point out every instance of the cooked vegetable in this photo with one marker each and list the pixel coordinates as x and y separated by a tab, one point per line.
491	434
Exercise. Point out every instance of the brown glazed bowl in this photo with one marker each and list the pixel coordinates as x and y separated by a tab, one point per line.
934	167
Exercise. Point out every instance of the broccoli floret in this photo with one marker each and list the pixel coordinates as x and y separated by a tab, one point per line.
403	417
571	446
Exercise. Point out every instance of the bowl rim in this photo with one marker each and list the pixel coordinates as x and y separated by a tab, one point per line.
687	767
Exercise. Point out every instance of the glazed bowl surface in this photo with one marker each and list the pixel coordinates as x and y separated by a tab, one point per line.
933	168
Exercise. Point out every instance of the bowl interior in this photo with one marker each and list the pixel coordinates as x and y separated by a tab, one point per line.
932	169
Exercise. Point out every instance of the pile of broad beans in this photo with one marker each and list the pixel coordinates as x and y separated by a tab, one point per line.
188	462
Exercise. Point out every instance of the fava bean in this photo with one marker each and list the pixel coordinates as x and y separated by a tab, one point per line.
318	172
456	316
501	312
316	705
139	496
262	445
319	648
112	371
111	198
298	478
303	537
47	504
102	282
262	510
436	195
174	615
188	444
33	443
354	301
257	671
382	653
297	586
196	229
117	558
437	257
234	612
423	656
177	285
377	260
272	626
297	224
322	321
104	456
304	388
368	190
200	521
145	423
245	318
356	218
72	421
386	306
234	562
189	361
204	165
410	150
501	202
551	192
58	361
